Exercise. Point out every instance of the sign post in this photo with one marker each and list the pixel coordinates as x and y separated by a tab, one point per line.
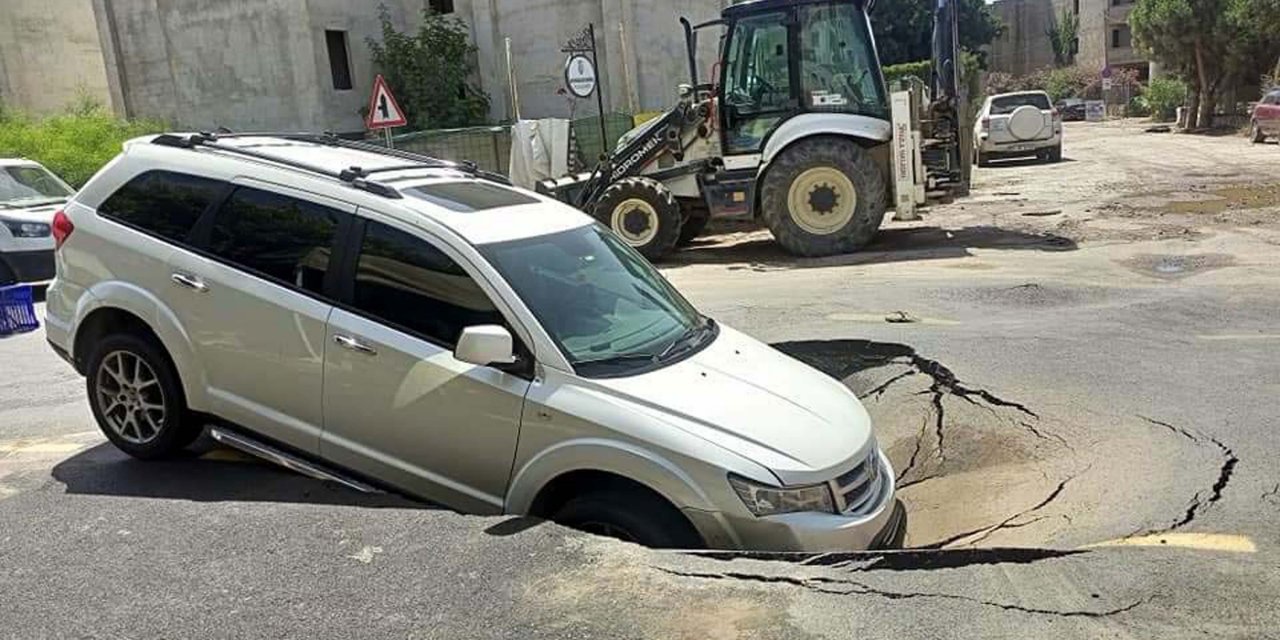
384	112
581	73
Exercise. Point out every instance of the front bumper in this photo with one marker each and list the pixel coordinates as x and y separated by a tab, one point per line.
881	526
29	266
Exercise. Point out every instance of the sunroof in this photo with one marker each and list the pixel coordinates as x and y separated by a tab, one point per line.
466	197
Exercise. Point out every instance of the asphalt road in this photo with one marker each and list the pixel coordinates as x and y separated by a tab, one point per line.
1079	409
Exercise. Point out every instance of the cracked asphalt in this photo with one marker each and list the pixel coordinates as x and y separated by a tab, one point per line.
1079	410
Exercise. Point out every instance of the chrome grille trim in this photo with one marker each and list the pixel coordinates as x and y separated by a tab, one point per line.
857	488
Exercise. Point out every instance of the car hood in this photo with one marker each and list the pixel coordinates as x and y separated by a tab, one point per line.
43	213
753	400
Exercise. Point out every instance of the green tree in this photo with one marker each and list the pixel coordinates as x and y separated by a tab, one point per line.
1062	37
1213	44
431	71
904	29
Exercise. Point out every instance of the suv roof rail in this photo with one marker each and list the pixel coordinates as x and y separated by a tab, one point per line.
329	138
354	176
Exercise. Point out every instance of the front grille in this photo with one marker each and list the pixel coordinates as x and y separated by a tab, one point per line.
856	489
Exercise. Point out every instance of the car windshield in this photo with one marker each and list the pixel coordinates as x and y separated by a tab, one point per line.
1008	104
26	185
604	305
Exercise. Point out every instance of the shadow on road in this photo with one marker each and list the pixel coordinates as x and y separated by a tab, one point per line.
1024	162
104	470
890	245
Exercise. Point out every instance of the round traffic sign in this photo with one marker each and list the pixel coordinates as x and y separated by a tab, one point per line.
580	76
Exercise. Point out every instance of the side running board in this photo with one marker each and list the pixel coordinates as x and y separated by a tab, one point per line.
288	461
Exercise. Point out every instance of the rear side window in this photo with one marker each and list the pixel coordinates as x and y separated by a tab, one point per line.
408	283
162	203
275	236
1009	104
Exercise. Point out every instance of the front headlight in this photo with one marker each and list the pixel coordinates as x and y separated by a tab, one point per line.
764	500
27	229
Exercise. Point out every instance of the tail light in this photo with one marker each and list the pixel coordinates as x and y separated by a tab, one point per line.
986	124
1055	113
62	229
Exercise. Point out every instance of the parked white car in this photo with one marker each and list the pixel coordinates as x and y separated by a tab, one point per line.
29	196
1011	125
421	326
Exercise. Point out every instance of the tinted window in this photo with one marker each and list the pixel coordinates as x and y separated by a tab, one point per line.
1009	104
406	282
276	236
467	197
164	203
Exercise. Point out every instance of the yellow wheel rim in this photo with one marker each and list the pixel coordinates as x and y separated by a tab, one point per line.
822	200
635	221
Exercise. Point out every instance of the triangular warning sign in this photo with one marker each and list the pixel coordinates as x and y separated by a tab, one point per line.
384	111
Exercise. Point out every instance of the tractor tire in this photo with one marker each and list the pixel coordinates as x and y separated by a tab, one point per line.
643	213
824	196
693	227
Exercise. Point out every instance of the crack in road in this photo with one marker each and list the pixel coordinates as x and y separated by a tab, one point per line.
900	560
1273	495
1199	501
1007	523
844	587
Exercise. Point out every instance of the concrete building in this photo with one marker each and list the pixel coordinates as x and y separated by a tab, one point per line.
244	64
305	64
1103	37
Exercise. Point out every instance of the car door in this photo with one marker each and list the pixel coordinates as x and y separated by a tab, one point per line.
254	299
1269	114
398	407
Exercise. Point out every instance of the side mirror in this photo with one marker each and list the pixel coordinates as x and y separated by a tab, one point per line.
485	345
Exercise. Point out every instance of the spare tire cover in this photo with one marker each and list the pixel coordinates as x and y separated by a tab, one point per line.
1026	122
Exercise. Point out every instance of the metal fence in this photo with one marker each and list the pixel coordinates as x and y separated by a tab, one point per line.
490	147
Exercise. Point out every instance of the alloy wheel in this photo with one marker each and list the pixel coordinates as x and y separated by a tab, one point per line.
129	397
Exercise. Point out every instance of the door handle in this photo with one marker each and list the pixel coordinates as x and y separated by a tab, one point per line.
190	282
352	344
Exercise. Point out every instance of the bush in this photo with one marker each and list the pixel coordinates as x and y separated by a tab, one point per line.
922	70
1139	107
1165	95
73	145
430	71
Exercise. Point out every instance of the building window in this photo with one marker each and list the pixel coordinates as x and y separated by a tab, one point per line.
1075	7
339	59
1121	38
441	6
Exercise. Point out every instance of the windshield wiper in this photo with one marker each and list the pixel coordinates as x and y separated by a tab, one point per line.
689	339
627	358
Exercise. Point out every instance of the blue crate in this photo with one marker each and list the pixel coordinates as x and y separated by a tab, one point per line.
17	310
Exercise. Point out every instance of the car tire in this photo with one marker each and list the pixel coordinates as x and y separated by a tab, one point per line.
137	399
1256	135
807	193
7	276
1055	154
983	160
631	515
643	213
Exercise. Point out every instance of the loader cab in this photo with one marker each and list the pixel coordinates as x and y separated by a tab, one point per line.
783	58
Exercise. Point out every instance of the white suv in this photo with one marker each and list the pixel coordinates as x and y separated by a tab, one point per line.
388	320
1017	124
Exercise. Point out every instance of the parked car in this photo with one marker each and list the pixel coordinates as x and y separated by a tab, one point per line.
29	196
1017	124
422	327
1266	118
1072	109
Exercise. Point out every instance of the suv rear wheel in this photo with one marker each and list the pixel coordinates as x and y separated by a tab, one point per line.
136	398
1255	133
631	516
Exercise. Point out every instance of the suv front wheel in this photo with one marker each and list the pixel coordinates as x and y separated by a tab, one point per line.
630	516
136	398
